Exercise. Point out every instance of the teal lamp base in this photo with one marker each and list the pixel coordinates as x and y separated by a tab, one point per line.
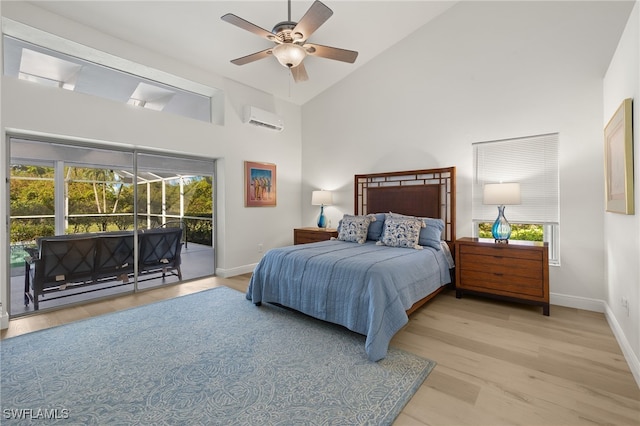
322	220
501	230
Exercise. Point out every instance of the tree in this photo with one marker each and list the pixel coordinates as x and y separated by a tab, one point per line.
97	191
31	193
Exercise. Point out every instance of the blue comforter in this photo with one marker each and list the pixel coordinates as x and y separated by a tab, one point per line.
366	288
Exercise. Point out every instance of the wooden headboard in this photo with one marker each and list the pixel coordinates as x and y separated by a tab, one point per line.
423	193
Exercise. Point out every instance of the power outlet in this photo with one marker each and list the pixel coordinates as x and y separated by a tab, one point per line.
260	248
625	304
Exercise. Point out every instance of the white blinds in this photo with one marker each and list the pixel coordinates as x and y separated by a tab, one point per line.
27	151
531	161
163	165
172	164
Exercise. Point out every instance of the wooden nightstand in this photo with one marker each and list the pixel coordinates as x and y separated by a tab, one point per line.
313	235
517	271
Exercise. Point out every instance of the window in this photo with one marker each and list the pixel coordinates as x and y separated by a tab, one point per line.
533	162
34	55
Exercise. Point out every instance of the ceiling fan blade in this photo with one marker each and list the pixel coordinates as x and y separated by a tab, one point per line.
246	25
299	73
253	57
317	15
328	52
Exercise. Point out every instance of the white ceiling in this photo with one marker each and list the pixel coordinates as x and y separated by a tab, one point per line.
192	32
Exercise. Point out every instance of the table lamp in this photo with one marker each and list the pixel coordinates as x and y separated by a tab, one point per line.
321	198
501	194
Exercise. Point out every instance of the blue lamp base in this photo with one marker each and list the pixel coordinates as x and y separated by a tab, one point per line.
322	220
501	229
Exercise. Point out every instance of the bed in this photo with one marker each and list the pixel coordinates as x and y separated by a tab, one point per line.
370	285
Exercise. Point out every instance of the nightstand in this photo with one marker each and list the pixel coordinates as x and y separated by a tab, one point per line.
517	271
313	235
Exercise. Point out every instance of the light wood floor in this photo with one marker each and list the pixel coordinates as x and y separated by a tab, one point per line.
498	363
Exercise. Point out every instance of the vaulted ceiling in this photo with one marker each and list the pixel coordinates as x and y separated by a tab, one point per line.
193	33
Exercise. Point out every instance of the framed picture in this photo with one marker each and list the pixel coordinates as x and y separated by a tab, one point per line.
618	161
259	184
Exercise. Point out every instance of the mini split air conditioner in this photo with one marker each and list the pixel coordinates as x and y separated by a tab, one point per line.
260	117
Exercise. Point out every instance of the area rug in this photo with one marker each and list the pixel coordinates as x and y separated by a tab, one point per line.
203	359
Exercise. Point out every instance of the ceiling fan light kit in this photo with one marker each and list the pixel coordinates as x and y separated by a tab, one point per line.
290	38
289	54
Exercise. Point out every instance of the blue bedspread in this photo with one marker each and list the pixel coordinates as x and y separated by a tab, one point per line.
366	288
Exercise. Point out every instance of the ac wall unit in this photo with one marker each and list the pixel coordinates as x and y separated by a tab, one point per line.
260	117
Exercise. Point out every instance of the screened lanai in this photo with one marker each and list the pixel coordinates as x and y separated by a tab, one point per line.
61	190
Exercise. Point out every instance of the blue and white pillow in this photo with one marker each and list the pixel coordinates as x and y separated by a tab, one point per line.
401	232
354	228
431	232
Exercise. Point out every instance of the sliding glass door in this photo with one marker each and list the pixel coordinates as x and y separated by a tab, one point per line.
178	193
82	217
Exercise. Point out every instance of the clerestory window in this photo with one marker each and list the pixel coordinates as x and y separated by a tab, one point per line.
96	73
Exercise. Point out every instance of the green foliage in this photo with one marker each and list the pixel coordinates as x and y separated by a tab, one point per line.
199	197
200	231
96	191
24	230
526	232
101	200
31	191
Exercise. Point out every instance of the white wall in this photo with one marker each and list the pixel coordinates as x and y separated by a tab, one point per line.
622	232
473	75
28	107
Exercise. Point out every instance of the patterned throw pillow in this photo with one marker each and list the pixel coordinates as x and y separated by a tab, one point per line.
354	228
401	232
431	232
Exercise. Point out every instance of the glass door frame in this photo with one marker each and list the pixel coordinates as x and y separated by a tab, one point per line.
60	210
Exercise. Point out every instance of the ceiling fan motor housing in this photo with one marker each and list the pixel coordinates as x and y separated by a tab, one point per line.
284	32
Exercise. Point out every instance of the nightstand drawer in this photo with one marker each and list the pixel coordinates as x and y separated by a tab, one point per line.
499	252
310	238
501	282
513	266
313	235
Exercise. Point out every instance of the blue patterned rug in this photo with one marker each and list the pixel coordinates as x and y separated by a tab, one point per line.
203	359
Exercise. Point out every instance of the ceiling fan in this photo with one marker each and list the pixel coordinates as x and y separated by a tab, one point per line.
291	40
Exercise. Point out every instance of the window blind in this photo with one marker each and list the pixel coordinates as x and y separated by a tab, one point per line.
27	151
533	162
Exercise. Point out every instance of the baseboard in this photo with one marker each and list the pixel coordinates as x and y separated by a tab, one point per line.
232	272
584	303
4	321
632	359
596	305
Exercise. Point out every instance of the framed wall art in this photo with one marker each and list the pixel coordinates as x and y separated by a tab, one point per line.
260	184
618	160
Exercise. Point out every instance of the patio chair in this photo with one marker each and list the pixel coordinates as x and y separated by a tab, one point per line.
160	249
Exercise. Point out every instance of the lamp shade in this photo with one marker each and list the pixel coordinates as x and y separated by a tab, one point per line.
289	54
501	193
321	198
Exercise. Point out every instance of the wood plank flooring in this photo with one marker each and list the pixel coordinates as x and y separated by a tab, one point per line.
498	363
